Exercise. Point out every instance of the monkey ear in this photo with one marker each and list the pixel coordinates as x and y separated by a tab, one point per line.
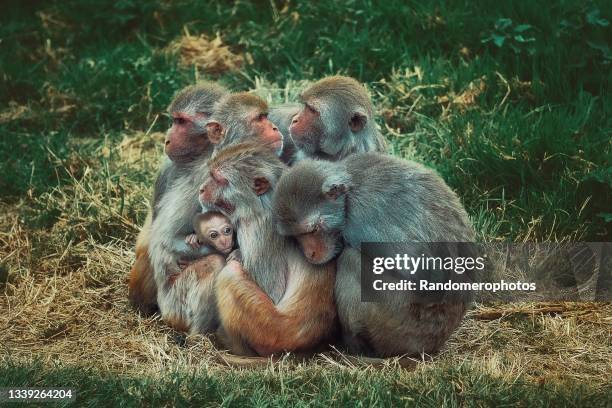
215	132
261	185
358	121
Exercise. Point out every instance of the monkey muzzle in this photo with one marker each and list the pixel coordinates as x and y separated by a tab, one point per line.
319	247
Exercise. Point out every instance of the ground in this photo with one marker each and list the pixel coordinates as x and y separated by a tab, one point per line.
509	102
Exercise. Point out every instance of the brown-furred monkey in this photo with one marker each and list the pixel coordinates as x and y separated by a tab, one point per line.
336	120
372	197
186	142
273	300
185	295
214	229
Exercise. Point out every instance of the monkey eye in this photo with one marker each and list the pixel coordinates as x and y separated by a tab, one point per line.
315	228
213	235
227	230
262	116
179	121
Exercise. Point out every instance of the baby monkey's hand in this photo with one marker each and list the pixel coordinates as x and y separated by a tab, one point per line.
192	240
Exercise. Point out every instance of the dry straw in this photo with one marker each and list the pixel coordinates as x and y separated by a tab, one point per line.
207	55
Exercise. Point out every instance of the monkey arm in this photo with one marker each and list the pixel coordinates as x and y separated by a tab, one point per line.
297	323
181	247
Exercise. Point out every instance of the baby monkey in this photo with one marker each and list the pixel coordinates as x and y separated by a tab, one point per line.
214	229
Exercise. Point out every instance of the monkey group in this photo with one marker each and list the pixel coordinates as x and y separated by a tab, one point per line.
257	219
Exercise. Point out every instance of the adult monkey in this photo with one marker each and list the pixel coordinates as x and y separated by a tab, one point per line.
336	120
185	143
282	116
270	299
185	295
371	197
243	116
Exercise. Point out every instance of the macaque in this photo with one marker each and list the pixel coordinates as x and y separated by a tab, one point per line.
269	298
332	207
336	120
214	229
243	116
282	116
185	143
184	275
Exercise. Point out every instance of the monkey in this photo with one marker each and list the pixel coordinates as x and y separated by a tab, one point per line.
336	120
330	208
282	116
184	276
214	229
190	110
185	142
227	125
269	298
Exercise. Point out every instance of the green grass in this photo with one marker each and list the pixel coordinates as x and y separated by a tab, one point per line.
522	131
452	387
535	168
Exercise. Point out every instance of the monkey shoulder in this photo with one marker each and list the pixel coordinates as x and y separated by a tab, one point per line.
175	210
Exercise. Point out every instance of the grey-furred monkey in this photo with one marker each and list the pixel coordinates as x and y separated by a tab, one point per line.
186	142
282	116
269	298
335	120
332	207
185	295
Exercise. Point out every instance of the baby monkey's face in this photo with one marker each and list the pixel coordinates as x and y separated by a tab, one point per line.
219	233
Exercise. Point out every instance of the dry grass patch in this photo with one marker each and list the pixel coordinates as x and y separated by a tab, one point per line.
76	313
65	299
207	55
13	112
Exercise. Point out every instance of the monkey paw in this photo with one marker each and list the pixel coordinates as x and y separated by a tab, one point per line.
235	255
192	240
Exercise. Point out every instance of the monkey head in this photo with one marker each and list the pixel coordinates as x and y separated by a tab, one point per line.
309	204
242	117
215	229
240	181
335	111
186	139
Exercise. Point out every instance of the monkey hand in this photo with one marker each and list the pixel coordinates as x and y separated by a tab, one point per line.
192	240
233	268
235	255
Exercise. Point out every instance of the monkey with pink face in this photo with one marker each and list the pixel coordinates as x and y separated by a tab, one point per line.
269	298
214	229
336	119
186	143
331	208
